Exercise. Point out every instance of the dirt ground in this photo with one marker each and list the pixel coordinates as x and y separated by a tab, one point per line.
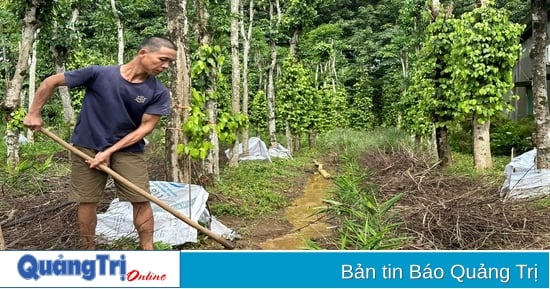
438	212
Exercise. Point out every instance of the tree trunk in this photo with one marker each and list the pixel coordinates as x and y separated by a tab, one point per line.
540	94
178	164
202	33
441	133
312	138
32	80
333	69
60	58
435	6
235	77
212	161
289	138
211	165
13	91
271	125
271	75
247	39
443	147
262	86
482	138
120	32
482	145
293	42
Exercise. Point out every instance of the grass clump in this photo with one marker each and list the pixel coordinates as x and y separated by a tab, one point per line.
36	164
257	188
364	221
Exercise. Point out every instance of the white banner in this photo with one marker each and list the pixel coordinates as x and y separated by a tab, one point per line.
78	269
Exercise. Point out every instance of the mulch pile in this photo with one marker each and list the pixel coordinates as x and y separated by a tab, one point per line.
45	220
443	212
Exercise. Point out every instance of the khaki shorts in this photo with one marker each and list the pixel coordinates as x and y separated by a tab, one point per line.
87	185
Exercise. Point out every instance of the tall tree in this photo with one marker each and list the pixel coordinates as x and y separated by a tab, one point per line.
12	102
32	79
178	164
235	75
209	67
63	36
486	47
275	22
429	104
120	32
246	35
540	107
441	77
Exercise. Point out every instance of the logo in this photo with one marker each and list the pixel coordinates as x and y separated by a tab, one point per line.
29	267
140	99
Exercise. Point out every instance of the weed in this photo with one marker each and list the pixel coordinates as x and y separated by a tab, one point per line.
366	224
24	176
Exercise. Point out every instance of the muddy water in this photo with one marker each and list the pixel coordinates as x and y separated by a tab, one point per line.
302	215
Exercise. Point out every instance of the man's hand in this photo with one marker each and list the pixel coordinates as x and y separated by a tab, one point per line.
101	158
33	119
33	122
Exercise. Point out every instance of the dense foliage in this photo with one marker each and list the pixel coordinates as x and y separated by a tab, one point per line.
358	64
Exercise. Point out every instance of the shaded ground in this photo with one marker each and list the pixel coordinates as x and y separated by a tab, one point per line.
438	211
457	213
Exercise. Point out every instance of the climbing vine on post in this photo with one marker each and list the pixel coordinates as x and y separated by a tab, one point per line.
305	108
486	47
464	71
198	126
430	100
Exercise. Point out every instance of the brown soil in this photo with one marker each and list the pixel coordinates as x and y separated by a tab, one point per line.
438	211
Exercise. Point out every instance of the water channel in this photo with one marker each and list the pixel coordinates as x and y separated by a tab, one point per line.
302	215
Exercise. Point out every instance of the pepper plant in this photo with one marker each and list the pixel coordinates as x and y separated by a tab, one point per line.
304	107
486	48
198	127
430	100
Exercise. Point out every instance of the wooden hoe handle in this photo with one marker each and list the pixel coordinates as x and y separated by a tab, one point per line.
150	197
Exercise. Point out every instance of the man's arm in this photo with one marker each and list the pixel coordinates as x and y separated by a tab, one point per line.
33	119
148	123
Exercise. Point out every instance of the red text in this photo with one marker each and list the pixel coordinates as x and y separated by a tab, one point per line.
135	275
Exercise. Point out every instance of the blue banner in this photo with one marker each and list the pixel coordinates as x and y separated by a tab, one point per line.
364	269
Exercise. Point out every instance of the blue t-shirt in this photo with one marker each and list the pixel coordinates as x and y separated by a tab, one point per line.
113	107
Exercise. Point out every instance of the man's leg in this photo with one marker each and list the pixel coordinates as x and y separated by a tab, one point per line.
144	223
133	167
87	190
87	221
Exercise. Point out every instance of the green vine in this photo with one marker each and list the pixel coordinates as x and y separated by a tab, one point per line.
305	106
205	71
16	120
486	48
464	67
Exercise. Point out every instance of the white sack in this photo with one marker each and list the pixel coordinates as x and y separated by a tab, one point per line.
117	221
523	179
259	151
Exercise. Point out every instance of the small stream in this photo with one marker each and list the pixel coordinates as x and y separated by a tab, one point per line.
301	214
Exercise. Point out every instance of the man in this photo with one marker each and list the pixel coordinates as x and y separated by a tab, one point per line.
122	105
